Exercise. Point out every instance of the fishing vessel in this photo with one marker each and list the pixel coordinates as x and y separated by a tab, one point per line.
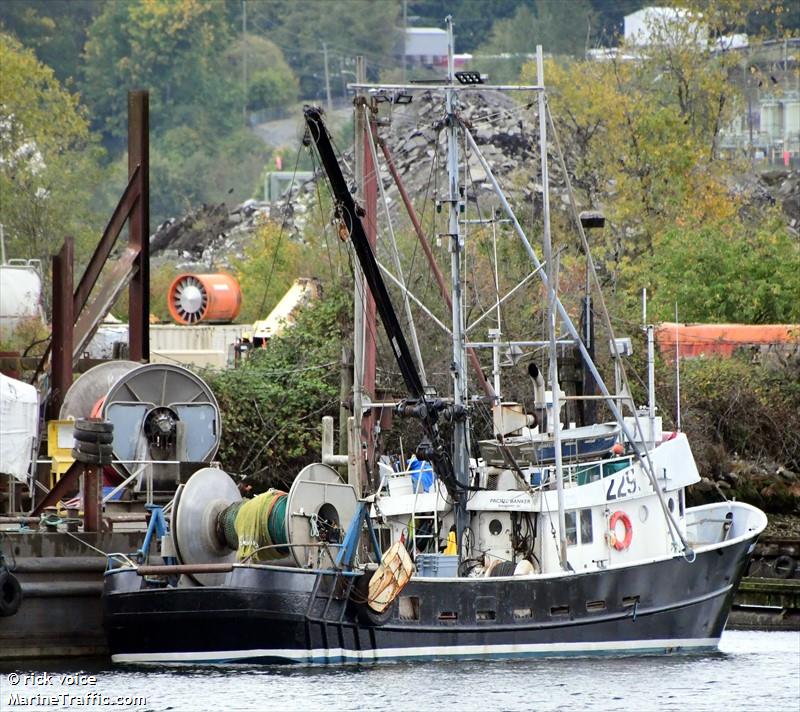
544	539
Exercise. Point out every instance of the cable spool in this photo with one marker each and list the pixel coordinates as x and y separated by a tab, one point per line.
210	522
82	397
162	412
195	298
194	521
319	510
260	525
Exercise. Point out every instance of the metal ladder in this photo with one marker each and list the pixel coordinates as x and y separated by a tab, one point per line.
323	619
416	518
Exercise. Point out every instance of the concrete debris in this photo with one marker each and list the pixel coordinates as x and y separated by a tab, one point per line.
769	486
506	131
209	231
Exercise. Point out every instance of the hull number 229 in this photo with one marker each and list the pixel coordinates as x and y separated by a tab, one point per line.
622	486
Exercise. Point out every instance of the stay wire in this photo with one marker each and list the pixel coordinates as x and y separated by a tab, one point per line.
280	233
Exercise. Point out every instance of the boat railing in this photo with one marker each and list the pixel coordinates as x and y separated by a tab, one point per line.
579	473
541	477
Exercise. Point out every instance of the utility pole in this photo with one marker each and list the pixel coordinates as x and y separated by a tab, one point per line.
244	61
328	105
405	38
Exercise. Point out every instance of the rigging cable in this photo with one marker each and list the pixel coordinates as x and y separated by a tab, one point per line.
280	233
643	457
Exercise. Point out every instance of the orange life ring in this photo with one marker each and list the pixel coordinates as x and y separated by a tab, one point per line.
620	545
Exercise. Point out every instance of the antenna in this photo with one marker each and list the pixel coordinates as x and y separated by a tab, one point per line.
644	308
651	370
677	370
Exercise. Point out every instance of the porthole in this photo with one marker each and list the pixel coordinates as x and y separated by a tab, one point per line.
495	527
643	513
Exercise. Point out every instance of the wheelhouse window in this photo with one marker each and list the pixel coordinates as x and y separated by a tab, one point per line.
587	536
575	518
570	520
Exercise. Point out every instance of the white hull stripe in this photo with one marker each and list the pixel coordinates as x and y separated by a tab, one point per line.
342	655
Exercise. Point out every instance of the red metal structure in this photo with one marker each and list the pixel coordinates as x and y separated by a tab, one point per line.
694	340
74	324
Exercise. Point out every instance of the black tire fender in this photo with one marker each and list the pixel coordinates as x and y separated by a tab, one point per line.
10	594
94	426
363	613
93	448
784	567
89	436
90	459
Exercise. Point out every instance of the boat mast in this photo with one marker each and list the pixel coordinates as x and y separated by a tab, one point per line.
460	458
364	347
551	311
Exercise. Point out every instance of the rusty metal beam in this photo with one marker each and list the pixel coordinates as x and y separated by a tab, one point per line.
139	227
112	284
108	240
437	273
68	484
92	488
98	259
183	569
62	333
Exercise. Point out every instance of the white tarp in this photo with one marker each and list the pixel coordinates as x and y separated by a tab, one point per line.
19	423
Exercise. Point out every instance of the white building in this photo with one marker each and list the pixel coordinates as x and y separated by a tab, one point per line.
652	25
426	47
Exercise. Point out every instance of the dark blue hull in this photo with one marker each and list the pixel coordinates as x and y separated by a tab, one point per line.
271	615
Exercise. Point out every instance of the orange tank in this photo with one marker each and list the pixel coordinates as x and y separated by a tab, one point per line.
193	298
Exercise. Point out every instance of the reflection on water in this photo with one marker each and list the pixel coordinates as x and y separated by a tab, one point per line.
752	671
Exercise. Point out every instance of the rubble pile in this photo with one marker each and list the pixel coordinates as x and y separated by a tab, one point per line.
505	130
788	196
771	487
210	233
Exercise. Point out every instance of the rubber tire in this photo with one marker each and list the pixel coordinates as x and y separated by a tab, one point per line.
86	436
94	426
89	459
784	567
10	594
364	614
93	448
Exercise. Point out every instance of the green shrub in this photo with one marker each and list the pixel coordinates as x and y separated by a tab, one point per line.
273	405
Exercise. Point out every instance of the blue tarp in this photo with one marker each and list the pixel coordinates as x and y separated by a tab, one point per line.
421	470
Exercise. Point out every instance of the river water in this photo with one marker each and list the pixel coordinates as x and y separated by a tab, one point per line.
753	671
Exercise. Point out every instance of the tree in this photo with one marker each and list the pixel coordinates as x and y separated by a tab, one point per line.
48	158
726	273
271	83
173	49
54	29
273	405
513	40
643	138
347	27
271	262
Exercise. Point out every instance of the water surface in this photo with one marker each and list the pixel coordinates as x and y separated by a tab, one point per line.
753	671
